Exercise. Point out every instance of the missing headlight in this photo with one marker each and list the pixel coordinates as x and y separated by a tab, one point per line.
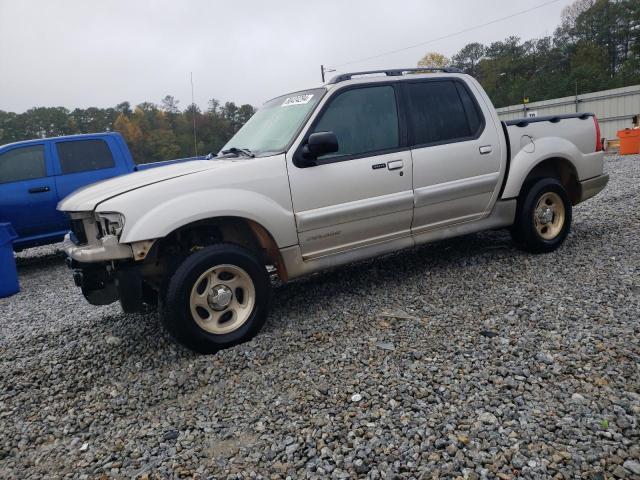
110	223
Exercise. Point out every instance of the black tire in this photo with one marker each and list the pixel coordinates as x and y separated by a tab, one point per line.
175	309
524	232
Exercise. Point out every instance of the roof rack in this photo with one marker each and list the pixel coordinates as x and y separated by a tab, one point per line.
394	72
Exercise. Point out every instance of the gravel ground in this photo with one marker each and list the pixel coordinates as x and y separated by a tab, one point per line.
465	358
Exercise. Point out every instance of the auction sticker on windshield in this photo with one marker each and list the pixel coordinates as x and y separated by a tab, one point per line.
297	100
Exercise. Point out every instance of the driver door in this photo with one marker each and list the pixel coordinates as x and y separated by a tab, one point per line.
363	193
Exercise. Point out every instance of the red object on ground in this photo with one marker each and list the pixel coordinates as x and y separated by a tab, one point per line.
629	141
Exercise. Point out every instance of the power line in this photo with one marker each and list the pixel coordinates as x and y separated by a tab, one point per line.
391	52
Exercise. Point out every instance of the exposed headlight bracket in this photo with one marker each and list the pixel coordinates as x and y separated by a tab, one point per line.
111	223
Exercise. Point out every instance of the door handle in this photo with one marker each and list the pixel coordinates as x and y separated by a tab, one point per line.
485	149
38	189
395	164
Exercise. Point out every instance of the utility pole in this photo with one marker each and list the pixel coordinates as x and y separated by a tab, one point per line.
193	109
577	95
325	70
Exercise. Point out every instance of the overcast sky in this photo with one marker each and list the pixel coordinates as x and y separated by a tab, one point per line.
81	53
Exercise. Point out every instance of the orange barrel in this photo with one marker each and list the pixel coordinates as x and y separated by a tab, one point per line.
629	141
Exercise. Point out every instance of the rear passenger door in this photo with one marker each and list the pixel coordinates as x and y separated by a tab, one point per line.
455	150
80	163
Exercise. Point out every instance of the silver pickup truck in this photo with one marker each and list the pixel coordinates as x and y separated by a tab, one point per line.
367	164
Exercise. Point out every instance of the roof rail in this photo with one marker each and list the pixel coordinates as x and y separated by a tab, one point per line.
394	72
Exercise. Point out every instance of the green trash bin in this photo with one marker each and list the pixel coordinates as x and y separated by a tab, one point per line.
8	272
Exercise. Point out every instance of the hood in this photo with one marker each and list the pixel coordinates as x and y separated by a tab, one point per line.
87	198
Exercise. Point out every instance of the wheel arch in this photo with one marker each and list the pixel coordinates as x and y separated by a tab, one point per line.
238	230
561	169
552	166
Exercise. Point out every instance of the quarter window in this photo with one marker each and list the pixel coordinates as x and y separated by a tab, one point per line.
470	108
441	112
365	120
84	155
25	163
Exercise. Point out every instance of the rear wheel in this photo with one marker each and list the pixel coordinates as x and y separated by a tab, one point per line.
543	218
217	297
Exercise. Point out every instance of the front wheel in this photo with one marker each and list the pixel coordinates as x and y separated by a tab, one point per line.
217	297
543	218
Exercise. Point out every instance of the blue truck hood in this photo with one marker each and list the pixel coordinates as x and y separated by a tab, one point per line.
87	198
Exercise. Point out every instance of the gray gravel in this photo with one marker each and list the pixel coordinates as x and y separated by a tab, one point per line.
465	358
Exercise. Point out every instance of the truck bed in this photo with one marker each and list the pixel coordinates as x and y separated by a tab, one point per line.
572	139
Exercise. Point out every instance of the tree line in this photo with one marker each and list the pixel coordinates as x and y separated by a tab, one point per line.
595	47
153	132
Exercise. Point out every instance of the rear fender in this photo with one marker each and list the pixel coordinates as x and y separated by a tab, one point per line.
545	148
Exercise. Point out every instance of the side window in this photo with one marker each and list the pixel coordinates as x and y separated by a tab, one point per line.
25	163
83	155
365	120
438	113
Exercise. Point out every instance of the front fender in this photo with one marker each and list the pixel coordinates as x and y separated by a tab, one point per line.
173	213
586	165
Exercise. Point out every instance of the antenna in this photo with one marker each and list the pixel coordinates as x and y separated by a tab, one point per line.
193	109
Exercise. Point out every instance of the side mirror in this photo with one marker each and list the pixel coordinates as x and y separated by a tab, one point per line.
318	144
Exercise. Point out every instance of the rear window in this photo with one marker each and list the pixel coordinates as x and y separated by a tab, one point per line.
84	155
441	112
24	163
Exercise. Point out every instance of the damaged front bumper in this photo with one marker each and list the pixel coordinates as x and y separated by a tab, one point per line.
103	283
106	250
107	271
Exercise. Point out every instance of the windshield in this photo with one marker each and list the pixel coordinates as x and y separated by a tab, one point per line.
272	127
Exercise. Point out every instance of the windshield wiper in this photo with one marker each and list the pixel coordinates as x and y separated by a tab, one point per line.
238	151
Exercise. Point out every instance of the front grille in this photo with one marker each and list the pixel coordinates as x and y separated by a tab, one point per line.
77	229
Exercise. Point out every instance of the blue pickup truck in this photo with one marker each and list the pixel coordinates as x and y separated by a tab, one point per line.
36	174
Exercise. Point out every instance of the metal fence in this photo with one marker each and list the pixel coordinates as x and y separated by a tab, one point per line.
614	108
